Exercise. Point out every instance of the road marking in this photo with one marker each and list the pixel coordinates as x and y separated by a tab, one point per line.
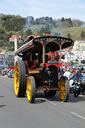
49	101
82	117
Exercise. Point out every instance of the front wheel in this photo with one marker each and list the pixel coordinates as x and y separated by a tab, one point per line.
77	92
64	89
31	89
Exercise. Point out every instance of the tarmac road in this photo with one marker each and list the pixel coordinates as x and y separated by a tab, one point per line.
45	113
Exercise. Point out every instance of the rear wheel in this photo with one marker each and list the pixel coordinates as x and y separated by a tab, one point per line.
64	89
20	79
31	89
50	93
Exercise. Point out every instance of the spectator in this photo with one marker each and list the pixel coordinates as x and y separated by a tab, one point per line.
2	73
78	73
82	68
73	70
61	70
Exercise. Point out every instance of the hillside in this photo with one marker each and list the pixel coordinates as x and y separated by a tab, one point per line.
75	32
11	24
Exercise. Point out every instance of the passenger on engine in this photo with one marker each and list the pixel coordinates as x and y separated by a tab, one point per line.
53	57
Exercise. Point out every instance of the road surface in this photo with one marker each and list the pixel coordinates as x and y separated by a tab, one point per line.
45	113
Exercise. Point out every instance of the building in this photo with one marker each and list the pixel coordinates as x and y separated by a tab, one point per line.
69	56
79	45
3	60
6	59
79	50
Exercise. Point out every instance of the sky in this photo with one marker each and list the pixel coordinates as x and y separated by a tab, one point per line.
56	9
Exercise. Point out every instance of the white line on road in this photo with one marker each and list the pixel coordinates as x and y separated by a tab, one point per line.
49	101
82	117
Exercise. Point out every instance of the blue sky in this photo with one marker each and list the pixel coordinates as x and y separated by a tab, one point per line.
74	9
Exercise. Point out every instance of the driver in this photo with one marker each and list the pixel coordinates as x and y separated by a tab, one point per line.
53	56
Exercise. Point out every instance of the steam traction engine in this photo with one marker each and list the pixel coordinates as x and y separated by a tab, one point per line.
38	68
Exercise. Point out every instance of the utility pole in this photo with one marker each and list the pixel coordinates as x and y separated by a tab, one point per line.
15	44
13	38
15	48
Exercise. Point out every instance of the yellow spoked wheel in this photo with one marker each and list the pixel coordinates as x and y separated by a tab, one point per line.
16	80
20	79
31	89
64	89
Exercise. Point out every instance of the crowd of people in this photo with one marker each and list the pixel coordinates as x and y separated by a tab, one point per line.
4	71
77	70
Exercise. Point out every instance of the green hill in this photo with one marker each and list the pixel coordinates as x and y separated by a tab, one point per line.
74	31
11	24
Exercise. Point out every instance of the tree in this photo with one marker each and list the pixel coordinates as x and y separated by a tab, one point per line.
62	19
43	30
2	34
69	35
13	23
83	61
28	32
76	61
82	34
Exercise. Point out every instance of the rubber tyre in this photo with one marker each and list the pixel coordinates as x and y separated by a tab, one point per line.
64	89
50	93
76	94
31	89
20	78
